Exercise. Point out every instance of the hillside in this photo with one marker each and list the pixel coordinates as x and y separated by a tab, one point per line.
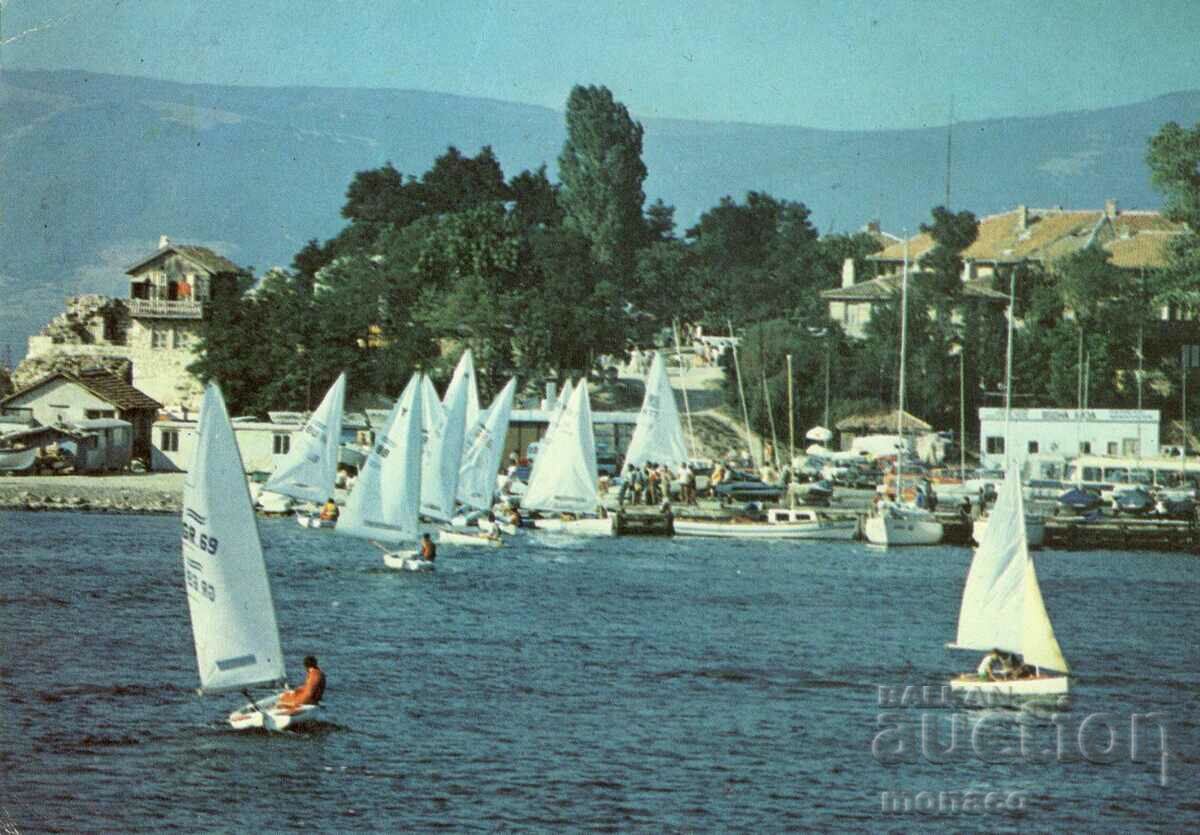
97	167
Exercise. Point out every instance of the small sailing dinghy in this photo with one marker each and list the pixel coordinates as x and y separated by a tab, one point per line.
564	477
1002	608
229	596
385	503
310	468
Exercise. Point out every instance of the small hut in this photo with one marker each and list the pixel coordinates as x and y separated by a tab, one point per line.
879	423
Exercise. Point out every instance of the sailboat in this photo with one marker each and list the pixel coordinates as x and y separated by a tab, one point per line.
310	468
658	435
1035	525
896	523
481	456
1002	606
564	473
385	503
229	596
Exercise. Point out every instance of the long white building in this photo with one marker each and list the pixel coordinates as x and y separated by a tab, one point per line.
1066	432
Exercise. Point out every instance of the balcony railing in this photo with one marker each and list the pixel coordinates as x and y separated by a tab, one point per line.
164	309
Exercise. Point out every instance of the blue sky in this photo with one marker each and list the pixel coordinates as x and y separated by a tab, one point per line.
847	65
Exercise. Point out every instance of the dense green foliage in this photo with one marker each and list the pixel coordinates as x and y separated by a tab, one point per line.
541	278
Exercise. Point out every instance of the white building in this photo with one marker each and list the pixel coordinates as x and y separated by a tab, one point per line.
1067	432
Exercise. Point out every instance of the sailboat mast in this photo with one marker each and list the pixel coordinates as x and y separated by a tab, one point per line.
1012	286
687	410
903	349
741	391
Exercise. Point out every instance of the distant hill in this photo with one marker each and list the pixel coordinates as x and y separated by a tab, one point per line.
96	167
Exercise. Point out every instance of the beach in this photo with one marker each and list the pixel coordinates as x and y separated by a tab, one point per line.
116	493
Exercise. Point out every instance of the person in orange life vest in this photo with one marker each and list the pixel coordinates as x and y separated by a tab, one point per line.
308	693
428	549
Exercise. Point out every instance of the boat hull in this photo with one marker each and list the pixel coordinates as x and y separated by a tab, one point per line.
578	527
406	561
267	715
1035	531
844	531
465	537
305	520
890	530
1017	688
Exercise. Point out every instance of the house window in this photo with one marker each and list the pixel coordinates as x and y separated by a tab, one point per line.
283	443
170	440
1033	447
995	445
1113	447
1085	447
159	337
96	414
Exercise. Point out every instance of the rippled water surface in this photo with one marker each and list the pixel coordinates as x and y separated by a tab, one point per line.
622	684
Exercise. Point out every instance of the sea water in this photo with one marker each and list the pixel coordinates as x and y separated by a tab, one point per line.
629	684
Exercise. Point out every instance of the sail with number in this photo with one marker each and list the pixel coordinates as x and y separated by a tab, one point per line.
658	436
1002	604
229	596
483	449
310	468
385	501
564	473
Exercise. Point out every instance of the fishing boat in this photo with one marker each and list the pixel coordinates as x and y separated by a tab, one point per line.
308	472
1002	607
384	505
229	595
781	523
895	522
564	477
1035	529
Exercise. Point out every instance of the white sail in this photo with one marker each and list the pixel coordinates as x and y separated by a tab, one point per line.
464	375
445	427
1002	604
384	503
229	596
310	468
564	474
658	436
481	459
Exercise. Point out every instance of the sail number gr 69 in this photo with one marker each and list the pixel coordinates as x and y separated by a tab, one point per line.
204	542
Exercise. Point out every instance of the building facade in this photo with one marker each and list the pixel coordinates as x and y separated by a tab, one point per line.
1067	433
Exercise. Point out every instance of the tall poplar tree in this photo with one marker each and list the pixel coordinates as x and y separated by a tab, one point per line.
602	172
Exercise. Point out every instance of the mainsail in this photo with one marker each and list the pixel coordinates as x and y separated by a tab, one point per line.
658	436
310	468
445	426
385	500
1002	604
464	376
229	596
484	446
564	474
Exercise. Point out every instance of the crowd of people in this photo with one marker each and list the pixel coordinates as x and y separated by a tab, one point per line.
650	484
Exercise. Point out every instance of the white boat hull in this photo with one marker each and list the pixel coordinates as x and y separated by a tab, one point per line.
902	530
406	561
1035	531
309	521
578	527
1017	688
470	537
267	715
269	502
839	530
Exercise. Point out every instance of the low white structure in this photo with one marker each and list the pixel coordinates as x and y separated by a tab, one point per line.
263	444
1066	432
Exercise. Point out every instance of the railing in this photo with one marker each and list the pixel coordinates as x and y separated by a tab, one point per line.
164	309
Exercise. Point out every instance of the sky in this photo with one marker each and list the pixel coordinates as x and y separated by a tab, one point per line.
848	65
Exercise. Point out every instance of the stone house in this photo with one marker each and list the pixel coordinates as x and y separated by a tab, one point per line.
92	395
156	329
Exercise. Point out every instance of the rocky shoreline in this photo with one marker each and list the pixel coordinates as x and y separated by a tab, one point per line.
147	493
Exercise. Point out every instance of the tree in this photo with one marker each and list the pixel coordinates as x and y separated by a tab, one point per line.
1174	159
602	172
383	196
456	183
535	199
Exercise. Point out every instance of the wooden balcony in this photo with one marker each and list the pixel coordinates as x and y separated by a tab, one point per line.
164	309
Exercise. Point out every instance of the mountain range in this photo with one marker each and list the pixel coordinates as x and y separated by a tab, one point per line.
97	167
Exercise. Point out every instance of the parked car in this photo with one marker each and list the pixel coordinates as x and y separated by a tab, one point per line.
743	487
